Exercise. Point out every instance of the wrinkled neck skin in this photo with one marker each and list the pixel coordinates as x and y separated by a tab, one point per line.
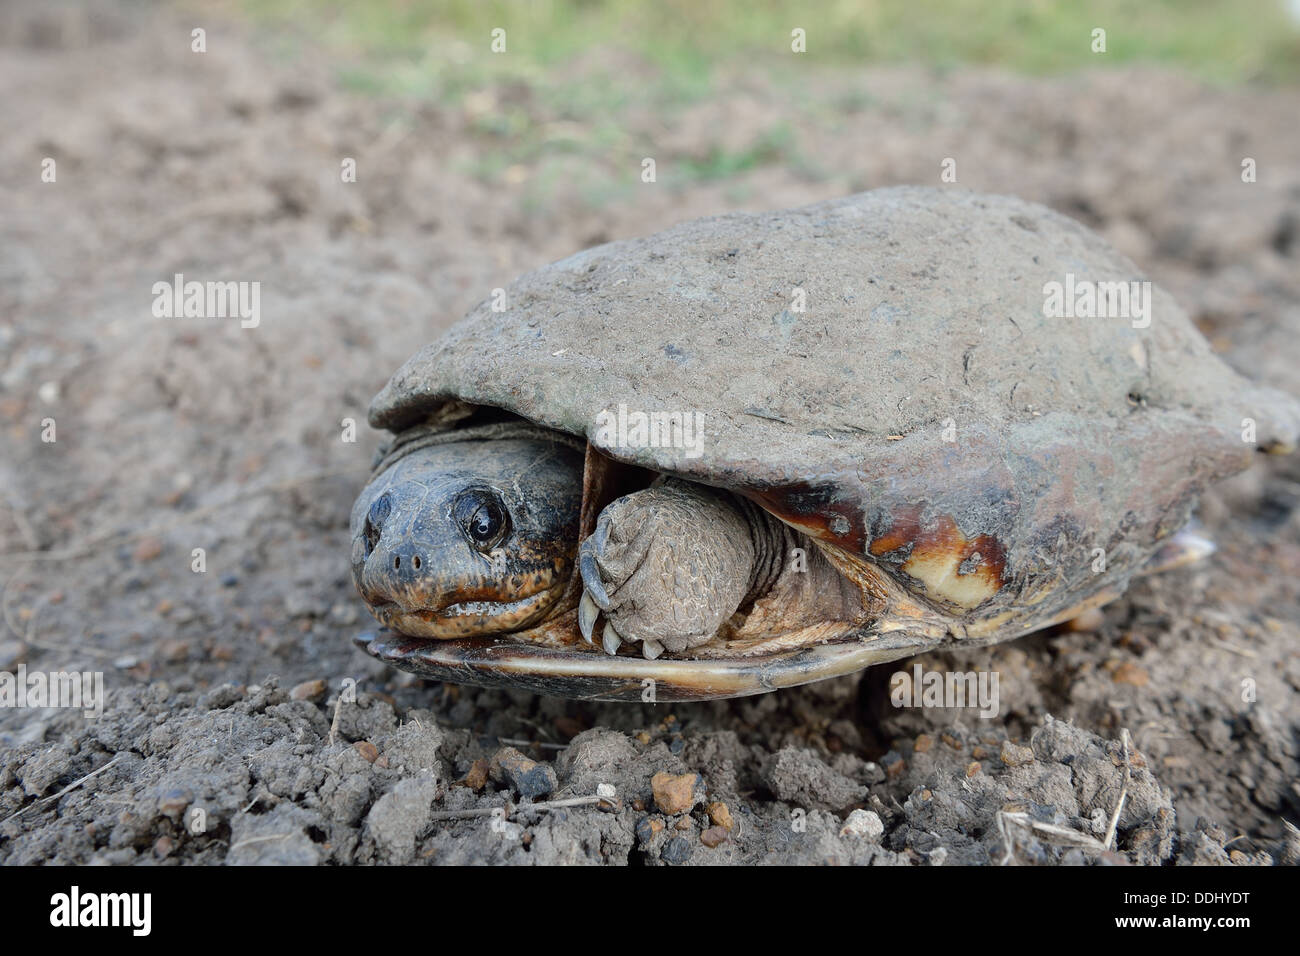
471	538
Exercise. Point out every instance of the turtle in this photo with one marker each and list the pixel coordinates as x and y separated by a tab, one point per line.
761	449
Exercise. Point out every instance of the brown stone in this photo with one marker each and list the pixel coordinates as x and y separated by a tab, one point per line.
1130	673
1013	755
713	836
308	690
721	815
675	793
369	752
477	777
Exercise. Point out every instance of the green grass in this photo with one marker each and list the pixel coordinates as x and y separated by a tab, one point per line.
575	71
1223	40
775	145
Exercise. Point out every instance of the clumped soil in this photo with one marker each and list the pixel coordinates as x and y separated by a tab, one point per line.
232	733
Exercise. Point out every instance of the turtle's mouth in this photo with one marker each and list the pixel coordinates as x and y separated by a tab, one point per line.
463	618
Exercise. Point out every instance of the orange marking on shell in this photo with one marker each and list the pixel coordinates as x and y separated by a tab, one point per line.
951	567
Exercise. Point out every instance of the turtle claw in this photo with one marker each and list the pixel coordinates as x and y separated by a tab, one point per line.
595	598
651	649
611	640
587	612
595	587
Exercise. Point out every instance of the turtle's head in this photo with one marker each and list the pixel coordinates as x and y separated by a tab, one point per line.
469	538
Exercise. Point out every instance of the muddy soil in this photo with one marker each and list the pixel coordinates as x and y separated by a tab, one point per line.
231	732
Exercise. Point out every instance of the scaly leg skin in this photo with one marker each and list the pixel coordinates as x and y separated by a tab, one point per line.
669	565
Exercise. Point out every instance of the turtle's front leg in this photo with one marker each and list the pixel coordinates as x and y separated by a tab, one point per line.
668	565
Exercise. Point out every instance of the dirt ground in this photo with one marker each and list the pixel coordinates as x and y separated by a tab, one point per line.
224	739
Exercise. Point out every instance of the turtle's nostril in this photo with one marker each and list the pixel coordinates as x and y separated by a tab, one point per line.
415	562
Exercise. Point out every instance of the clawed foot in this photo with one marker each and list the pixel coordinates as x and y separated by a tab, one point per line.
665	567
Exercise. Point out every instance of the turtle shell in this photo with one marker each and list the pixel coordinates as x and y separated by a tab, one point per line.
880	372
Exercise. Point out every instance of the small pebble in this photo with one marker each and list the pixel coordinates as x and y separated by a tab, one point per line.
721	815
676	850
863	824
173	802
477	777
646	828
527	777
369	752
675	793
1013	755
923	743
713	836
1130	673
308	690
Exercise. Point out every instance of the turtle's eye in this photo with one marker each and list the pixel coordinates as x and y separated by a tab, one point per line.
482	517
378	513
